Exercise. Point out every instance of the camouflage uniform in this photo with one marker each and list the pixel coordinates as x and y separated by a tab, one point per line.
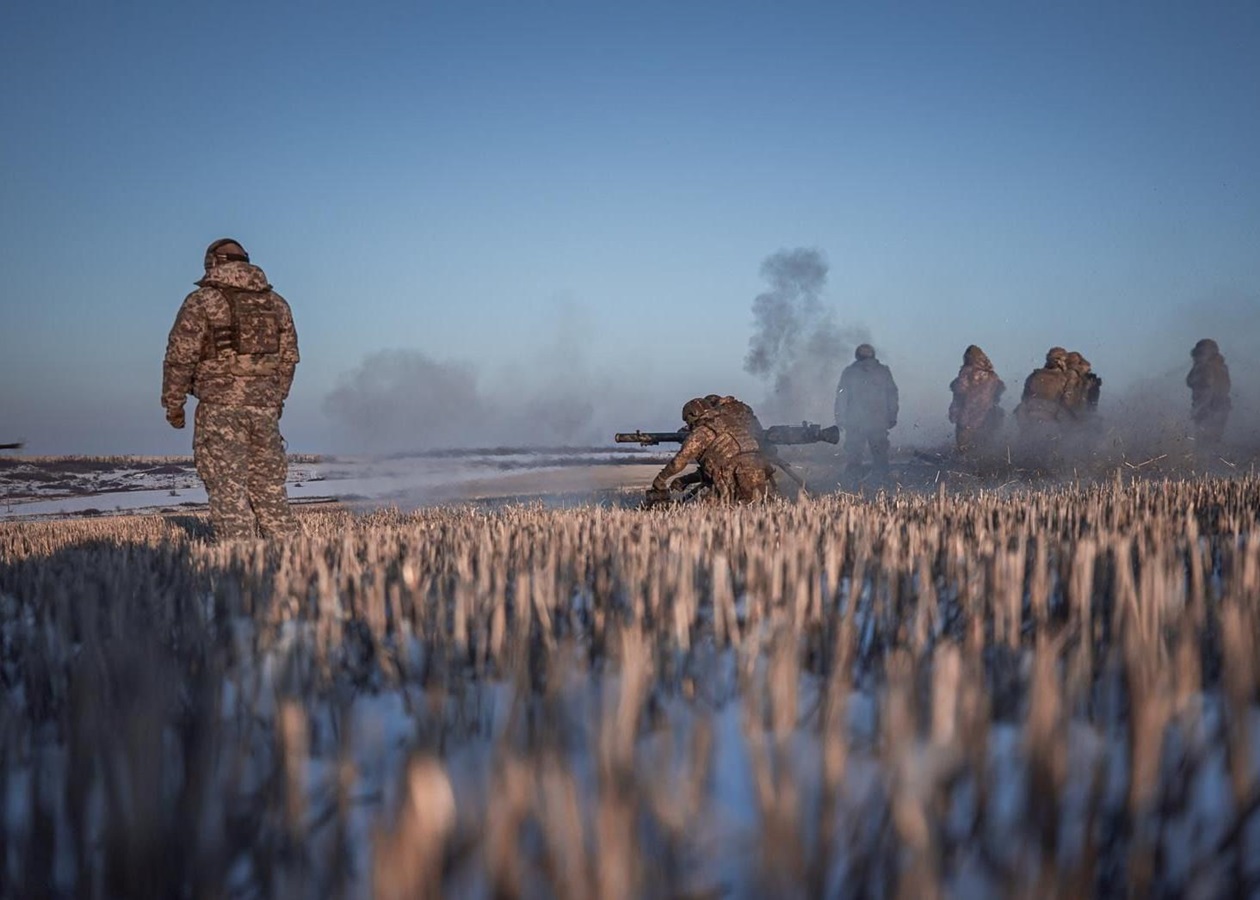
1083	388
722	442
741	415
1209	392
234	348
1041	410
866	408
974	411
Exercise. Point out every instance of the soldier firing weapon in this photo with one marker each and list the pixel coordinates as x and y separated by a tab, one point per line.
780	435
774	436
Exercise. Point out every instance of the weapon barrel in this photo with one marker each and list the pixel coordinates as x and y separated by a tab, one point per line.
17	446
648	438
805	433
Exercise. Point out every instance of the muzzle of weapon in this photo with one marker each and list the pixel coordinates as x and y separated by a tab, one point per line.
805	433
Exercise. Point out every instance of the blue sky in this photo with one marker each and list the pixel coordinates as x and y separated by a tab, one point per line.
582	194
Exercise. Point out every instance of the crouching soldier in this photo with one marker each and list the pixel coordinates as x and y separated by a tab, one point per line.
723	445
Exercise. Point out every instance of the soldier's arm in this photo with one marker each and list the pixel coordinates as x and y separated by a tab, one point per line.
957	400
183	351
691	450
894	405
289	356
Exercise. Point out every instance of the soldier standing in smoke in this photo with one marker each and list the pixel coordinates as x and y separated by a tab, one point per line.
1084	388
866	408
723	444
234	348
974	410
1080	400
1041	411
1209	385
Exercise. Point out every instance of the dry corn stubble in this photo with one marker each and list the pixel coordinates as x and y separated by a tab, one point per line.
1039	692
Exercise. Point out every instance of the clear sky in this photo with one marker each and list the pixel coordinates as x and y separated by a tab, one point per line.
582	194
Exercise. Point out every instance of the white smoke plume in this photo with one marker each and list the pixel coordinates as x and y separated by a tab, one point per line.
404	400
798	346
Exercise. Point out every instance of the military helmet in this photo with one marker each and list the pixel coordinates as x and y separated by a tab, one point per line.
695	408
864	351
225	250
1205	348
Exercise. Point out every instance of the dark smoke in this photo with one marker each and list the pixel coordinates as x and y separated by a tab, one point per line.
797	344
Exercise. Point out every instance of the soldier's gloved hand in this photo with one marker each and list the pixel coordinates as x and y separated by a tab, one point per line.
657	495
175	415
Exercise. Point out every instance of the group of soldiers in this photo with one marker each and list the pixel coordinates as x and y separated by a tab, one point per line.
1058	408
1056	411
234	347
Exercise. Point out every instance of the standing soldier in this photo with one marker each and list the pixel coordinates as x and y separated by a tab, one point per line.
1209	392
974	409
723	445
1080	400
234	348
1084	388
1042	410
866	408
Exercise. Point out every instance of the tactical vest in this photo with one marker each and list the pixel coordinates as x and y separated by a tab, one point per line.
244	332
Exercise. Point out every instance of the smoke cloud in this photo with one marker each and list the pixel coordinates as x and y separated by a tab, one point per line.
402	400
797	345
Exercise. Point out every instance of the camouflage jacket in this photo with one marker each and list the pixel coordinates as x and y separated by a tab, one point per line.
976	391
1043	395
1082	392
866	398
718	443
233	342
1209	386
741	415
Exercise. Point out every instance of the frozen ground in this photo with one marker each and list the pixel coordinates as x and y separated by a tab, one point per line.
38	487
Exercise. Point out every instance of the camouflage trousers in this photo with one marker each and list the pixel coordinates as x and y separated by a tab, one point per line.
745	481
1209	428
857	440
239	455
1041	445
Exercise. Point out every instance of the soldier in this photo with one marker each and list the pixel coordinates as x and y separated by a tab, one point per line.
1209	392
974	410
1041	410
866	408
234	348
722	443
1083	389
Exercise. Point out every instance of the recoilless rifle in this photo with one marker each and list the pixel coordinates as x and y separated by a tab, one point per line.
780	435
776	435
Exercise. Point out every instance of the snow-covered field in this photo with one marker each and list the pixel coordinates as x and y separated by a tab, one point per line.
71	486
